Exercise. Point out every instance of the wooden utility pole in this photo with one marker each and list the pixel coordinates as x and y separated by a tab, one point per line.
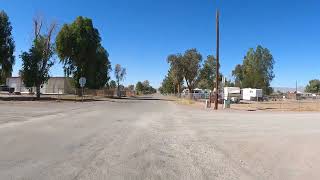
217	64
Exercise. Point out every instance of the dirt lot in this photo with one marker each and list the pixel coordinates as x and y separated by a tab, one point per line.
154	139
280	105
284	105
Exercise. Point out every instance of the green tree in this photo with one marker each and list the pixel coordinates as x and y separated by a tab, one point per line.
7	47
186	66
256	70
167	86
37	62
313	86
119	73
145	88
229	83
207	75
191	66
79	48
176	71
98	70
113	84
238	74
139	87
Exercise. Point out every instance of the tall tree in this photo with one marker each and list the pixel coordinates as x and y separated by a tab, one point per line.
119	73
139	87
167	86
7	47
146	85
113	84
79	49
256	70
238	74
38	60
176	71
185	67
191	66
313	86
207	75
145	88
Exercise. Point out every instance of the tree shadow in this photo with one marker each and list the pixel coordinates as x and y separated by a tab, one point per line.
142	98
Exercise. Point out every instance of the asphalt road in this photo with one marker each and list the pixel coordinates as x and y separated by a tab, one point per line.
154	139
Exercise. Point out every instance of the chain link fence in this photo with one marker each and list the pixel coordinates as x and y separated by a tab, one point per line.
270	103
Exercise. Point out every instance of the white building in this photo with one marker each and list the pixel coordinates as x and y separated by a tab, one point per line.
250	94
55	85
233	93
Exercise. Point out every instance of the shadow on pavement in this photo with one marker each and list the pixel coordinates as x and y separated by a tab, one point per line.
143	98
28	98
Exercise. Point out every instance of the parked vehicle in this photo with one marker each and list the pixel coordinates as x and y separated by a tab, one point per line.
6	88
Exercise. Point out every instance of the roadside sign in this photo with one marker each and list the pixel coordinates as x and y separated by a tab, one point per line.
82	81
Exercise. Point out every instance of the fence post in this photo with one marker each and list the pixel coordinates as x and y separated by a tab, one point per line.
75	94
58	95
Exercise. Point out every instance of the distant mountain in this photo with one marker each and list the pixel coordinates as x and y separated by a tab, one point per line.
288	89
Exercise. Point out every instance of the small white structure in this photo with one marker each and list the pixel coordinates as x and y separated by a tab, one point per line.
229	92
55	85
250	94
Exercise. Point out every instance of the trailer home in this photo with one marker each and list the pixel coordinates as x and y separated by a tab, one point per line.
250	94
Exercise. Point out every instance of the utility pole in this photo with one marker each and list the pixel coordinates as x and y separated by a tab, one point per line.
217	64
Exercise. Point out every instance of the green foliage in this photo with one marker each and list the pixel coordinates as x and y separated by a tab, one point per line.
113	84
207	76
145	88
36	64
191	64
313	86
238	74
176	72
79	49
7	47
186	67
229	83
167	86
256	70
139	87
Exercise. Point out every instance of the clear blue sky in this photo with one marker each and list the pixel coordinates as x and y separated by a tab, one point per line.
139	34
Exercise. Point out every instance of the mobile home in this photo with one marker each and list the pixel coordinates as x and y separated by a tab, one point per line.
250	94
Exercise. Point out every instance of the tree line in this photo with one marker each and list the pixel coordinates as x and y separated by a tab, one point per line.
256	71
77	45
144	88
141	88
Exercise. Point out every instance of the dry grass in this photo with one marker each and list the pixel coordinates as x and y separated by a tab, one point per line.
185	101
280	106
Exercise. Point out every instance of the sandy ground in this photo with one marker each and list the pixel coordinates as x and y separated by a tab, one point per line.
154	139
285	105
